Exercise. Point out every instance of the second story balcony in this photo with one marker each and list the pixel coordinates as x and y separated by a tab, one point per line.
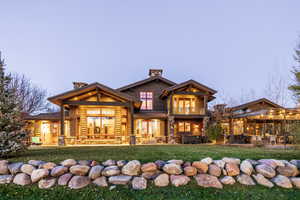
188	105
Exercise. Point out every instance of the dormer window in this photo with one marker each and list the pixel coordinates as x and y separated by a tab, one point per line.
147	100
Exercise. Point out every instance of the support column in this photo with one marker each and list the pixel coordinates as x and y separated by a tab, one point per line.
132	136
205	104
61	138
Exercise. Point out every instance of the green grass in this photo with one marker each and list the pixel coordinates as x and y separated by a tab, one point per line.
145	154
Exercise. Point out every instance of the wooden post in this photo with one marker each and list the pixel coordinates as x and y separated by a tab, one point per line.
205	104
61	138
171	104
132	136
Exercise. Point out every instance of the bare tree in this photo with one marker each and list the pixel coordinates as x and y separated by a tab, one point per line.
31	98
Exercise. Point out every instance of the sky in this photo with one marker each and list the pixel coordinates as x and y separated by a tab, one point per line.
231	46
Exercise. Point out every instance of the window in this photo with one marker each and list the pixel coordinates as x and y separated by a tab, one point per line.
147	100
184	127
148	127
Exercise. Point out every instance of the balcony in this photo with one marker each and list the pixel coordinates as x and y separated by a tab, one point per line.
188	111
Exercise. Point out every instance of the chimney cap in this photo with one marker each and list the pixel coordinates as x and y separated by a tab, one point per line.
155	72
77	85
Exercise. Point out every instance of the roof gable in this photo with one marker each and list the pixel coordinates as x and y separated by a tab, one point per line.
253	103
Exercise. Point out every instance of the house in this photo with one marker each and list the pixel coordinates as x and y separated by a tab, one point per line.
153	110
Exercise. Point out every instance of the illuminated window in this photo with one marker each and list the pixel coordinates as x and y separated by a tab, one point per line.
184	127
147	100
148	127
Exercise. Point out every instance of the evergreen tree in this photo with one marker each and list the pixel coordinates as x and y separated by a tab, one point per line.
12	133
295	88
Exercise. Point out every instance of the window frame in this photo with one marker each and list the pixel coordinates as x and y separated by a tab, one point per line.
147	99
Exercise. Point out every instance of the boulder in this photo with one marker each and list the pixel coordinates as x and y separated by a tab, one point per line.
260	179
58	171
200	166
178	180
296	182
162	180
78	182
139	183
85	162
172	169
48	165
94	163
296	163
151	175
224	172
101	181
38	174
190	171
36	163
132	168
95	172
119	180
282	181
288	170
47	183
245	179
68	162
205	180
227	180
5	179
220	163
22	179
214	170
253	162
15	168
186	164
236	161
160	164
265	170
232	169
111	171
207	160
109	163
4	167
121	163
177	162
64	179
246	167
80	170
271	162
27	169
149	167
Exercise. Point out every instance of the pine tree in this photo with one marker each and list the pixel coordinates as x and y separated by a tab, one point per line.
295	88
12	132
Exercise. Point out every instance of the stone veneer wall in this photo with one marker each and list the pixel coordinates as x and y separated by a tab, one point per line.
207	173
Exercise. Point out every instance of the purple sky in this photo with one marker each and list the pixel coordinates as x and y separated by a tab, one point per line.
227	45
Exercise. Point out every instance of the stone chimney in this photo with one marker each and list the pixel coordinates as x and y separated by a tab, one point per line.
220	108
77	85
155	72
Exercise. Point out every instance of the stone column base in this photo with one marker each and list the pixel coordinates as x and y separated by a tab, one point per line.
61	141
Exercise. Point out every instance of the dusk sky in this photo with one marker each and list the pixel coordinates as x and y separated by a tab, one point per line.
227	45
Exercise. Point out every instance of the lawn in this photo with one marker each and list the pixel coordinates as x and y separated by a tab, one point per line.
151	153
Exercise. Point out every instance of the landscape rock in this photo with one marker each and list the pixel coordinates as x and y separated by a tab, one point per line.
151	175
177	162
205	180
220	163
36	163
95	172
84	162
232	169
139	183
296	163
246	167
266	170
47	183
15	168
288	170
160	164
27	169
296	181
48	165
260	179
236	161
201	167
190	171
121	163
5	179
132	168
109	163
178	180
186	164
22	179
253	162
64	179
58	171
80	170
101	181
227	180
162	180
68	162
119	180
214	170
282	181
111	171
149	167
207	160
94	163
271	162
4	167
38	174
78	182
245	179
172	169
